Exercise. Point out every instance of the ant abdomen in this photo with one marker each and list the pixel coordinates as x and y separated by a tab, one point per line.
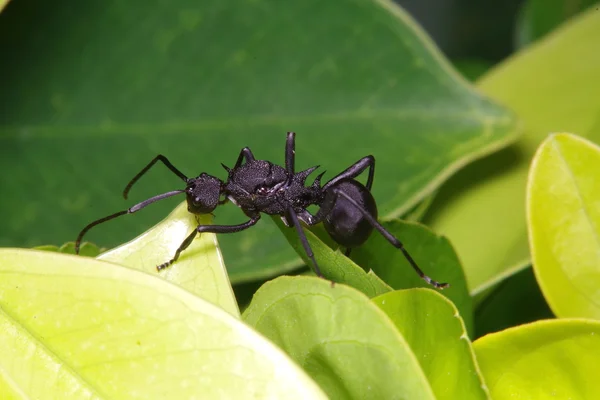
344	222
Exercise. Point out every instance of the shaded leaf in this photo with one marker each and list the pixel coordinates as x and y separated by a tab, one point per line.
341	339
537	18
74	327
482	209
110	84
86	249
436	334
564	224
200	267
434	255
334	265
554	359
515	301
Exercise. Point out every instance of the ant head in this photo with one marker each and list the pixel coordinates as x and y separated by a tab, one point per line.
203	193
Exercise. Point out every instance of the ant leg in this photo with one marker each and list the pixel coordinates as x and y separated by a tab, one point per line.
245	154
165	161
131	210
208	228
290	153
294	219
354	170
393	240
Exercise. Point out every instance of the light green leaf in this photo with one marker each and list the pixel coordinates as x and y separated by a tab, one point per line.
200	267
341	339
333	264
434	255
436	334
552	85
554	359
3	3
538	18
114	83
563	195
77	328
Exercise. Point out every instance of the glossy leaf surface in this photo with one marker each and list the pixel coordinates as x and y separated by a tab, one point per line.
554	359
200	267
436	334
341	339
77	328
111	84
563	199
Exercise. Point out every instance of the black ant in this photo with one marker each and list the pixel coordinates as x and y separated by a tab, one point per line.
347	207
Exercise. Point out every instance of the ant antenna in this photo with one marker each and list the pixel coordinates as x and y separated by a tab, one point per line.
165	161
131	210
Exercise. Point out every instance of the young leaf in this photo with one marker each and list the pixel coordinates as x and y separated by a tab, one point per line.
436	334
552	84
553	359
74	327
200	267
341	339
434	255
564	224
352	77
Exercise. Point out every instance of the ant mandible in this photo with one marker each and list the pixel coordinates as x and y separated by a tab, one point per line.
347	207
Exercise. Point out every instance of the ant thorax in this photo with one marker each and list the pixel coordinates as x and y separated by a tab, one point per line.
261	186
258	186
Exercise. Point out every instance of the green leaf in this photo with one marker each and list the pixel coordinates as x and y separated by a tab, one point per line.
537	18
74	328
333	264
200	267
86	249
434	255
3	3
552	85
504	307
437	336
341	339
113	83
472	68
555	359
564	224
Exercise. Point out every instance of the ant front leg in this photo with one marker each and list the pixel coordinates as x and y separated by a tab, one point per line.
211	229
355	170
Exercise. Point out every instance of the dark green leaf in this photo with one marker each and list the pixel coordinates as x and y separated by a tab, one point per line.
110	84
434	255
537	18
334	265
516	300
